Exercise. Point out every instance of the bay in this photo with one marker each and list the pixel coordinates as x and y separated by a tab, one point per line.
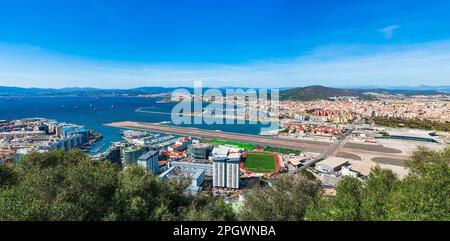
94	112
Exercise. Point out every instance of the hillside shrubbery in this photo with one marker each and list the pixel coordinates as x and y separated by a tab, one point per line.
69	186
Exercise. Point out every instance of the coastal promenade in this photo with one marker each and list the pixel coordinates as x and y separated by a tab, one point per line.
295	144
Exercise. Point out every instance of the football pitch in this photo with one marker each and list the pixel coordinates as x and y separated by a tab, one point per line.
260	162
245	146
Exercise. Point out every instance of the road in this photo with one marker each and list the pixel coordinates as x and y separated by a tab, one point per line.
338	145
331	149
325	148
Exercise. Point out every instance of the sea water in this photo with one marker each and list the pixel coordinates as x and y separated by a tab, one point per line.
94	112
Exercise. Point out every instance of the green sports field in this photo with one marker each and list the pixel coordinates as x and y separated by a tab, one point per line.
282	151
260	162
245	146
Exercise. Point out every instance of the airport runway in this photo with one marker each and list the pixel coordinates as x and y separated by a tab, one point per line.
295	144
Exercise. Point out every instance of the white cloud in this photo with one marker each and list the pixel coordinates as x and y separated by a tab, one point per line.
332	65
388	31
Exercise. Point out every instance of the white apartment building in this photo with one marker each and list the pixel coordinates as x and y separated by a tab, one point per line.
226	174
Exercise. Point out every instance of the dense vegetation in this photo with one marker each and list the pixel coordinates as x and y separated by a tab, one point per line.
286	200
69	186
412	123
423	195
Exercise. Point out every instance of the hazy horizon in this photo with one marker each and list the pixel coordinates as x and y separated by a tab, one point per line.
403	87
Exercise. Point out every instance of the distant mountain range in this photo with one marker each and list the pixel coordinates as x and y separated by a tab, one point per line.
321	92
443	88
301	93
17	91
315	92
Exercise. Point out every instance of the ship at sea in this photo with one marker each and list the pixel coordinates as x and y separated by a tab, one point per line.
162	101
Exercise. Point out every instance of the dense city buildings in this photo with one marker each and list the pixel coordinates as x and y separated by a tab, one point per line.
325	140
432	108
19	137
331	139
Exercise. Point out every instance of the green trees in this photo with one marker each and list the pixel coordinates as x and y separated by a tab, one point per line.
204	208
287	199
58	186
346	205
69	186
378	186
412	123
7	176
144	197
423	195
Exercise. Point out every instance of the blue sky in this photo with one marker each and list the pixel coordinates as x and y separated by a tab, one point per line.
124	44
